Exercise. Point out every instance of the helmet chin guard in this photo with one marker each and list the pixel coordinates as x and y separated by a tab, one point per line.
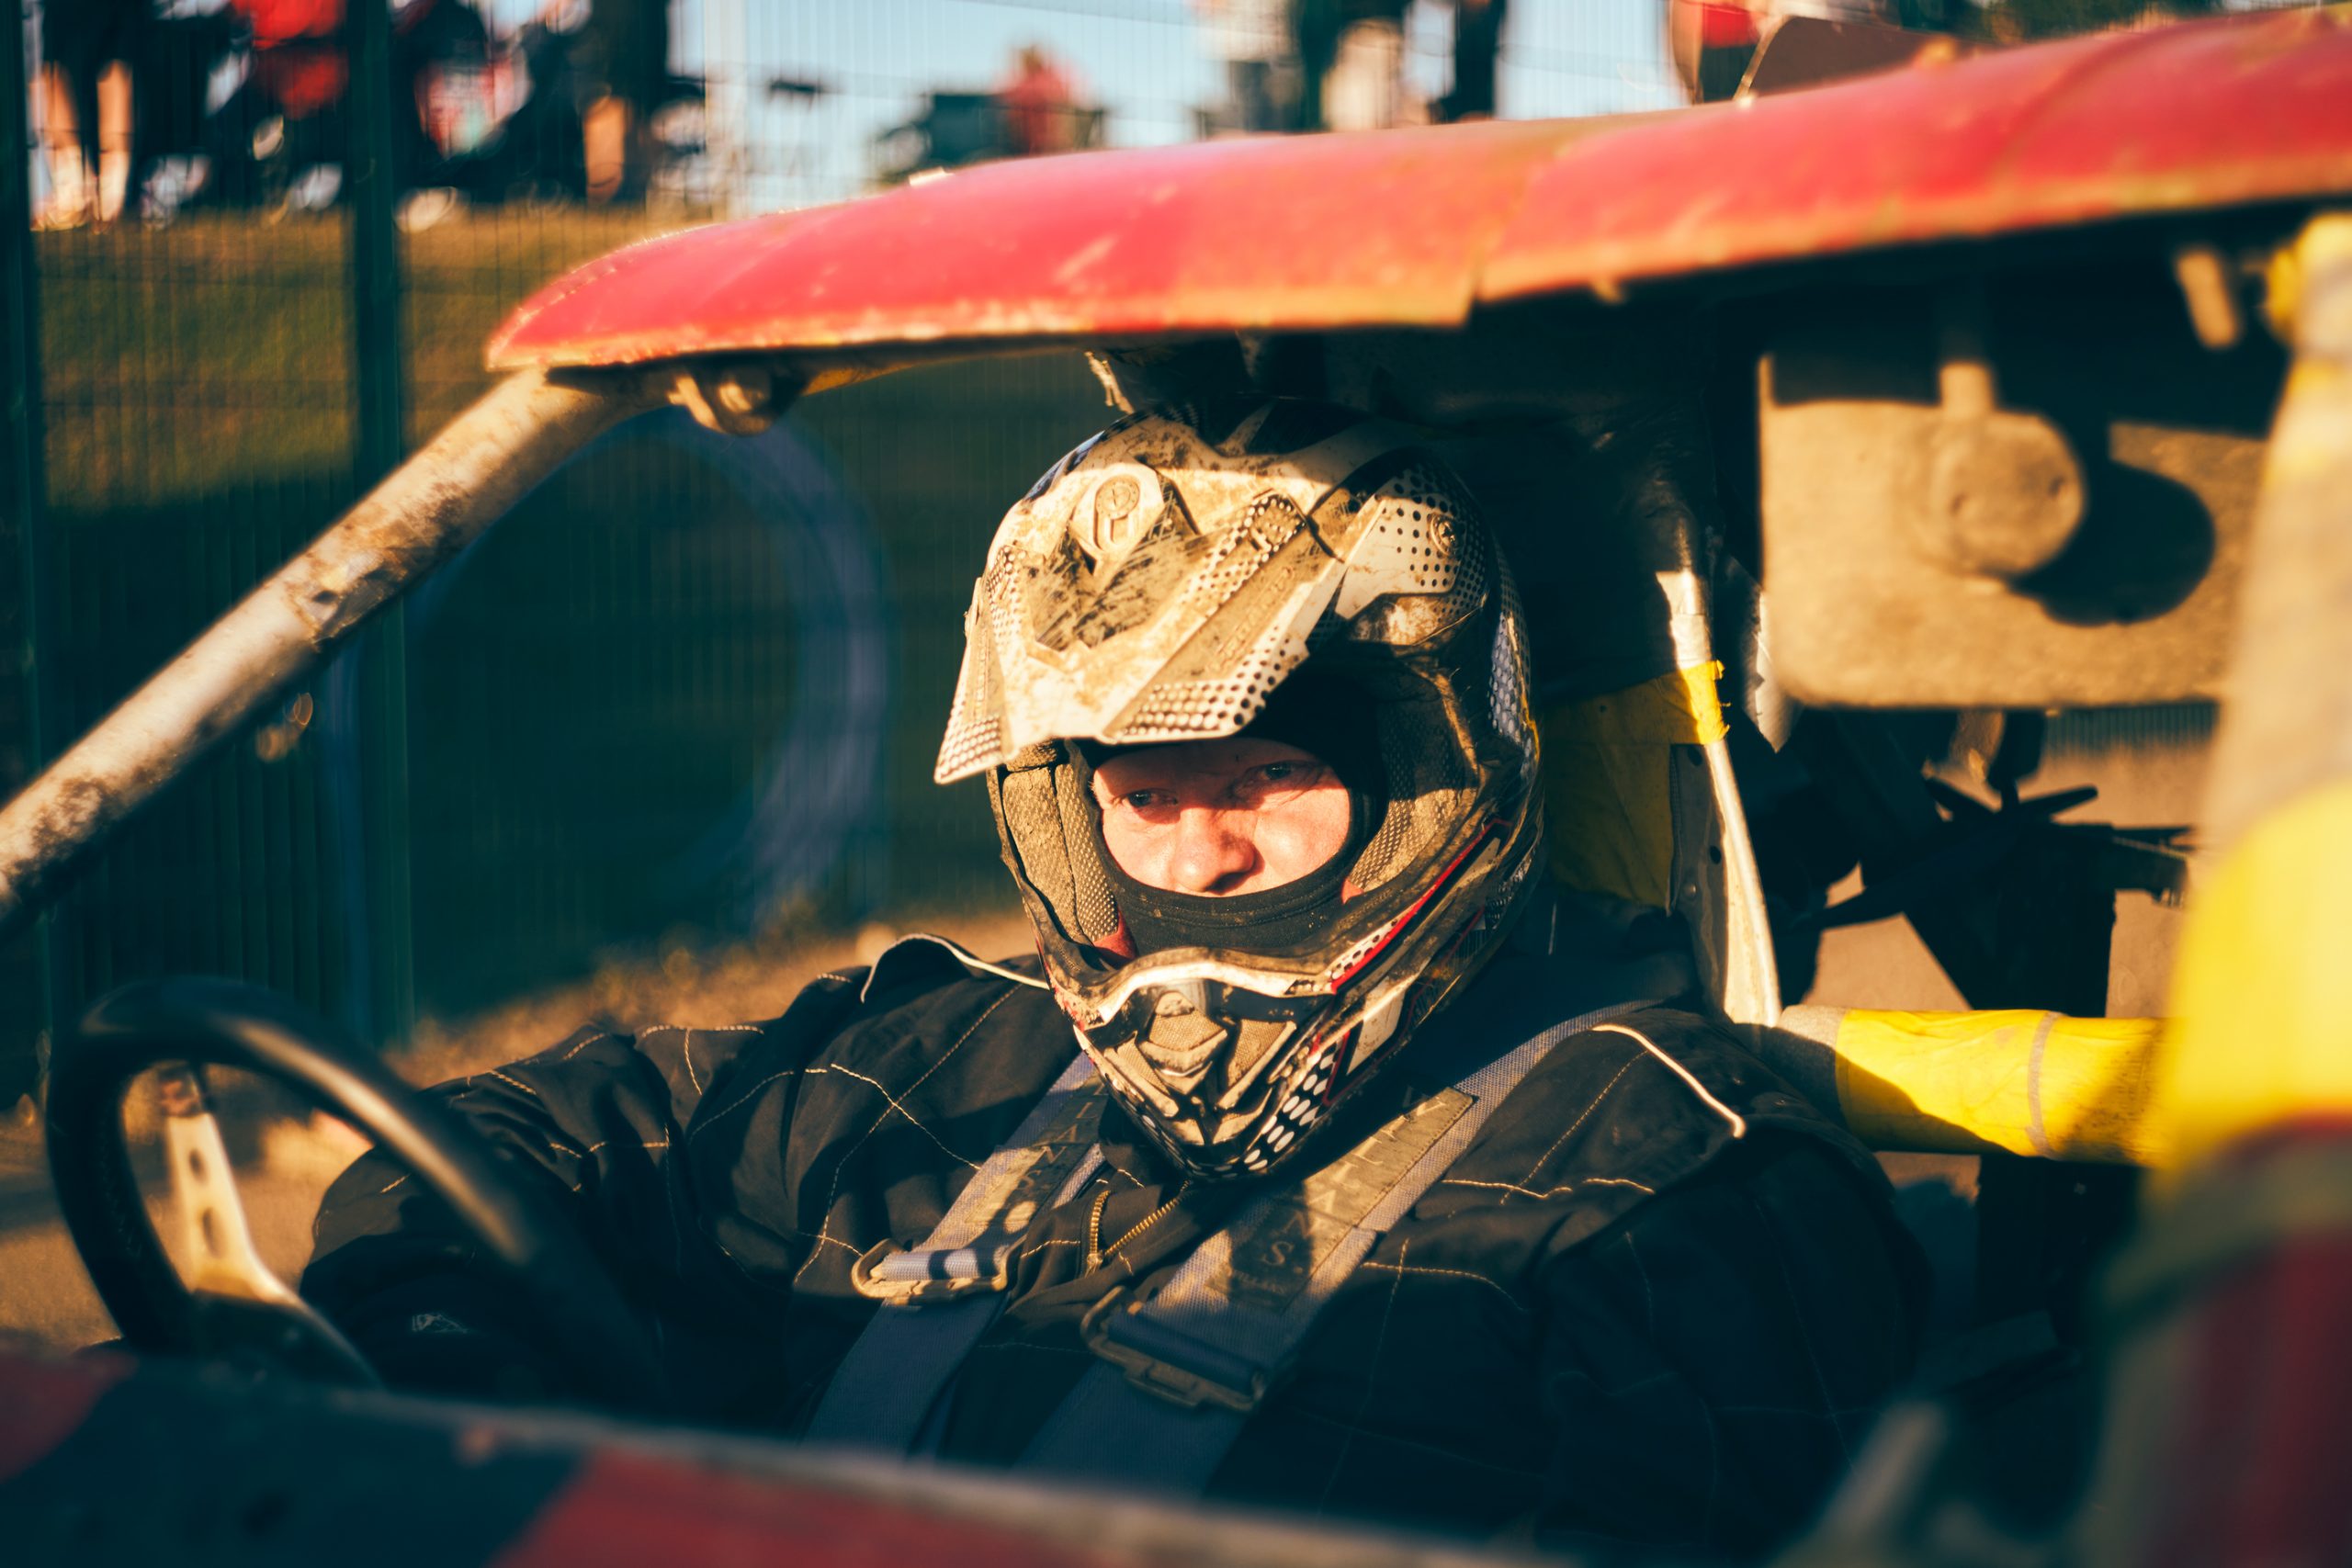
1156	586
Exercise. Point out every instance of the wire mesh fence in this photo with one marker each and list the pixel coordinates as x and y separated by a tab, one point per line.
694	684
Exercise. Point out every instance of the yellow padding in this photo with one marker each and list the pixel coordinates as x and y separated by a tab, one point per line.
1607	764
2033	1083
2263	987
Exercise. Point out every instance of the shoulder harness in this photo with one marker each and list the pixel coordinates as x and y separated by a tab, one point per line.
1182	1371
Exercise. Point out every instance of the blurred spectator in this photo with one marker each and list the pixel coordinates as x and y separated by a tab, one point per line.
1039	104
88	48
447	99
1315	29
621	74
1351	62
286	111
1252	37
289	116
298	59
1366	90
172	98
1478	39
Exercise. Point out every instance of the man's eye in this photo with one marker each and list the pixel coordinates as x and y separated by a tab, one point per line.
1140	799
1270	783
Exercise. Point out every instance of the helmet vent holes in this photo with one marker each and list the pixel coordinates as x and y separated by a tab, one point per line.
968	744
1272	521
1178	710
1410	545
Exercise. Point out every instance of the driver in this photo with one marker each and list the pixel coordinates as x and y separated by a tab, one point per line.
1380	1177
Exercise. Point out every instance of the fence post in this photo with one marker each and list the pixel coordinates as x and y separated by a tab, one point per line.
21	452
378	351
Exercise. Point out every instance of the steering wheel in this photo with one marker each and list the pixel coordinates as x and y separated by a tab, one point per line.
221	1023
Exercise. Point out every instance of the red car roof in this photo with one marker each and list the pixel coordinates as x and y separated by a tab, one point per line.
1416	228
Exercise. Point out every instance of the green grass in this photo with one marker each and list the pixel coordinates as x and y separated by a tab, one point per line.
215	354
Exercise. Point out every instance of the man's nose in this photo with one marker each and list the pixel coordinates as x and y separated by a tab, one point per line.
1211	850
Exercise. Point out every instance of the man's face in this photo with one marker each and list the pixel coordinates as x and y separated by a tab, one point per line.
1220	817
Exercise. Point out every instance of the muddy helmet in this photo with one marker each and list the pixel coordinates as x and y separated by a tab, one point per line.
1189	574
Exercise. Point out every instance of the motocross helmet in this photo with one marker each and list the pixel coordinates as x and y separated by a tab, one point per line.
1295	570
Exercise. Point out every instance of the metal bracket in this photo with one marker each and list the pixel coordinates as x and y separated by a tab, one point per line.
908	1277
2003	494
2048	515
224	1261
1168	1363
733	400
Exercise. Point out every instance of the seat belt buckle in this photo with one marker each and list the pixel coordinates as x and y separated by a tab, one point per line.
1169	1363
920	1276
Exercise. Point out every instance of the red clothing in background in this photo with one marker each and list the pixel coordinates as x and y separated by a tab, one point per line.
1040	107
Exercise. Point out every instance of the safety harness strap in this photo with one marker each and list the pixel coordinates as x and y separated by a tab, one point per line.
939	1299
1183	1370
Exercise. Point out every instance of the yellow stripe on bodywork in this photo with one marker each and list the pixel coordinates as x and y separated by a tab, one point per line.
1607	765
2032	1083
2262	991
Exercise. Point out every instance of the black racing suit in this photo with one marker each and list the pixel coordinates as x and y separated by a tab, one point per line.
1613	1318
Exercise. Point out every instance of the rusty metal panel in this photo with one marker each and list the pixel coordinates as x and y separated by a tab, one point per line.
1414	227
1297	233
1907	563
2185	118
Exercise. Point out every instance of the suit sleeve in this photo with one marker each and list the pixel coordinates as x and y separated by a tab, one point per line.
593	1125
1711	1363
